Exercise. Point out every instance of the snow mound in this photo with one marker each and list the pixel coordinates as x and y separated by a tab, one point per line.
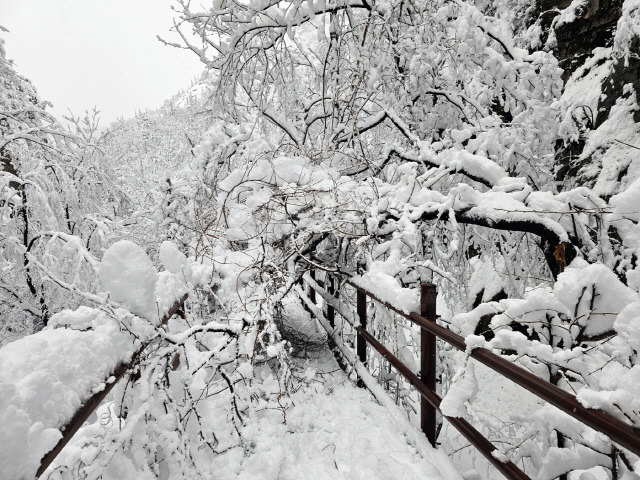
172	258
626	203
463	390
127	273
46	377
380	279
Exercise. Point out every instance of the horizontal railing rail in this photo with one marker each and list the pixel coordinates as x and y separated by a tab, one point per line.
628	436
91	404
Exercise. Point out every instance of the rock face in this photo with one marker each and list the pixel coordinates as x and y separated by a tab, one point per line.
599	54
589	25
626	71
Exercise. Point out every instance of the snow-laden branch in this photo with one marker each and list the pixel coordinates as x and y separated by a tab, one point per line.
237	26
510	206
475	167
211	327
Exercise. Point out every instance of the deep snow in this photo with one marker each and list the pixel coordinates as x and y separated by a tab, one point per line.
333	430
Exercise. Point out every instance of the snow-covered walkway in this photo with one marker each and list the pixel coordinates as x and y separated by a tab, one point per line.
333	430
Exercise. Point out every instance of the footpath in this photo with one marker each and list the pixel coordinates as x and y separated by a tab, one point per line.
333	430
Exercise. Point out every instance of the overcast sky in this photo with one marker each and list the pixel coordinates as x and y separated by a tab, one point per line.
85	53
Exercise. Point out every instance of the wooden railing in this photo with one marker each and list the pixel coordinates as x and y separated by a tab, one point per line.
90	405
626	435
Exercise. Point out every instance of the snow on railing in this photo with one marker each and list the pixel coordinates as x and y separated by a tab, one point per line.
617	430
101	391
53	380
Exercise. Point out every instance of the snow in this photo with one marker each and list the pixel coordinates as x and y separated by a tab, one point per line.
582	93
247	201
171	257
614	394
380	279
169	289
500	456
628	29
326	428
45	378
594	302
497	398
572	288
591	292
127	273
568	15
562	460
411	433
627	203
464	161
618	127
461	393
485	279
627	324
333	430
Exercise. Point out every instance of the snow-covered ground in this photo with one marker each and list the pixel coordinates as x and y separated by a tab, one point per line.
334	430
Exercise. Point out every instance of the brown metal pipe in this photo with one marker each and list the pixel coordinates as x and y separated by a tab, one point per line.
620	432
428	360
361	344
312	292
340	308
331	311
484	446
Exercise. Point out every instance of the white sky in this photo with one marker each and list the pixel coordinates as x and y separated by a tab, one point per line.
85	53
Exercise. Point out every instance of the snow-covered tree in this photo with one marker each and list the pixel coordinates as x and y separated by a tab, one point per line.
424	140
52	199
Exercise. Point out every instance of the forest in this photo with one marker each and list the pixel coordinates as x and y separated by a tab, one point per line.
490	147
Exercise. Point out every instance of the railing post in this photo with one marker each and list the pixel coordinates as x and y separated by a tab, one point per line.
428	360
312	292
361	343
331	312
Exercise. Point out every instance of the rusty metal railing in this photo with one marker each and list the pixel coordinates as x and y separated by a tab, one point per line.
620	432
